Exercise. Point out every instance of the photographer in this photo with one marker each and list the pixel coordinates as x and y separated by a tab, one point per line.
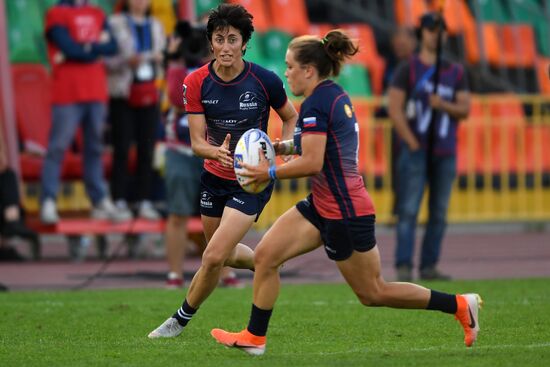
187	49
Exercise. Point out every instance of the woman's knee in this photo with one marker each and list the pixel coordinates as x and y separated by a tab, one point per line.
263	258
212	260
369	299
372	296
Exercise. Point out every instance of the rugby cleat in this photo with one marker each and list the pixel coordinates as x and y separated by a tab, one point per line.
468	306
168	329
245	341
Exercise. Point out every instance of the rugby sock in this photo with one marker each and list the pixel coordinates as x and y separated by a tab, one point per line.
442	302
184	313
259	320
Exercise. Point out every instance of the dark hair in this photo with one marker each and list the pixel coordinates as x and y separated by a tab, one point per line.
430	20
327	54
233	15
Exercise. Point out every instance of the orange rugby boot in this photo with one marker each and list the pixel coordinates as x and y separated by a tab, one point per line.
244	340
468	306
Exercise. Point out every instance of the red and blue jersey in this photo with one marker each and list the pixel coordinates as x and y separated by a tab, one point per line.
81	78
232	107
338	191
416	79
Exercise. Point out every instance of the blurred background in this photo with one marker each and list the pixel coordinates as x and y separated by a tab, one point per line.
503	157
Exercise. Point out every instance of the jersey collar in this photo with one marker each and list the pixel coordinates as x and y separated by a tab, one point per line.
235	80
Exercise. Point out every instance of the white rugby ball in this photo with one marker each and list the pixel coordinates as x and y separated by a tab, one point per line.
247	150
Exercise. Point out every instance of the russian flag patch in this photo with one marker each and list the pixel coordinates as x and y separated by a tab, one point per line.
310	121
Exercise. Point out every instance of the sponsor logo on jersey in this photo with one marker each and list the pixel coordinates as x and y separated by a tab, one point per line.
310	121
210	101
248	101
347	110
223	122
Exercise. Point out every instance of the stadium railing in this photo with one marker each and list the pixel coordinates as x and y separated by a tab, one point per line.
503	163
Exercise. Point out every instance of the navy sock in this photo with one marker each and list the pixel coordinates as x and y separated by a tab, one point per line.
184	313
442	302
259	321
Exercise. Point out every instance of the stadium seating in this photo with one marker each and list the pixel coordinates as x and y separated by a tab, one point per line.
354	78
259	9
457	16
408	12
320	29
278	66
289	16
275	43
490	11
368	54
108	5
491	43
543	36
254	48
530	11
26	31
203	6
518	45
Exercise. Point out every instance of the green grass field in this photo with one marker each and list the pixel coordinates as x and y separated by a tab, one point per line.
313	325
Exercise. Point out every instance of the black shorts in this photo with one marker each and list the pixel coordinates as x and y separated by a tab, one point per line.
217	193
340	236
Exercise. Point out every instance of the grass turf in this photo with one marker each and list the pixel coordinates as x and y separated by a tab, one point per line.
313	325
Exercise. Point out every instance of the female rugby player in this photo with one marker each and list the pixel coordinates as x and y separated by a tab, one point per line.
338	213
224	99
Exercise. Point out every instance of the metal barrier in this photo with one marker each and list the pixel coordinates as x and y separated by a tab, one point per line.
503	162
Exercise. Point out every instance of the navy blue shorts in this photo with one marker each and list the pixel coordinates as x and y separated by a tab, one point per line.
217	193
340	236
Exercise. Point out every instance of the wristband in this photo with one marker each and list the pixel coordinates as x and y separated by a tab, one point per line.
272	173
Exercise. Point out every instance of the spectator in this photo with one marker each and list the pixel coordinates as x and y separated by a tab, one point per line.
134	100
77	36
11	215
182	171
428	153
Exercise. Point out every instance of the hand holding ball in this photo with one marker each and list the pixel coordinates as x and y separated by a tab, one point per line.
254	154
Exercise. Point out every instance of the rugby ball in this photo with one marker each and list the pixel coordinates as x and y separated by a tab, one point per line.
247	150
